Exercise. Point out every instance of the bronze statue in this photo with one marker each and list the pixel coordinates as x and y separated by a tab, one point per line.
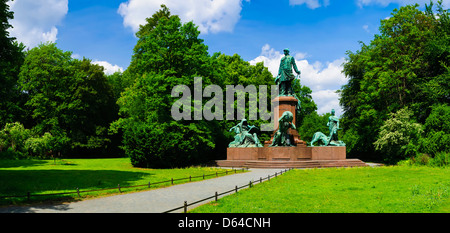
245	135
282	137
285	74
332	139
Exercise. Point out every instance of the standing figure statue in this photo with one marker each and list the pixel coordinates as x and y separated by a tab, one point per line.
333	126
285	74
245	135
282	137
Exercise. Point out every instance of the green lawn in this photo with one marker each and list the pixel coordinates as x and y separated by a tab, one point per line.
17	177
397	189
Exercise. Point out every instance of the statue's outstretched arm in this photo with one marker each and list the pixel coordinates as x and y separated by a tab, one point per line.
295	67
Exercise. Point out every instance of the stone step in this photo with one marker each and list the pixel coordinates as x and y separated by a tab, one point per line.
292	164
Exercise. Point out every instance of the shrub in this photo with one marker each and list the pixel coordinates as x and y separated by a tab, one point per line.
166	145
398	136
13	136
437	129
16	142
441	159
39	146
421	159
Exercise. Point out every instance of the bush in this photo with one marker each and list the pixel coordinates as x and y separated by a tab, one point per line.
16	142
13	137
166	145
399	136
441	159
9	153
437	129
39	146
421	159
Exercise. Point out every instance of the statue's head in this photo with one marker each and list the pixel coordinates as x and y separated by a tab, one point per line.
286	51
287	116
332	112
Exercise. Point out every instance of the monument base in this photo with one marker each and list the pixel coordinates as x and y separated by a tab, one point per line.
299	156
292	164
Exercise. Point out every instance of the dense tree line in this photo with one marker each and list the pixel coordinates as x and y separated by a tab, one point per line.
396	103
69	106
397	96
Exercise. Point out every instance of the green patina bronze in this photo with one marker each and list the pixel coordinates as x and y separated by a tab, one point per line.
332	139
245	135
285	74
282	137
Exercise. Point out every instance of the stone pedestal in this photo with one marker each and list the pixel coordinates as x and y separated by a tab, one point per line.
328	153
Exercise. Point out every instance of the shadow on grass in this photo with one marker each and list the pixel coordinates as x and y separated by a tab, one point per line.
21	163
19	182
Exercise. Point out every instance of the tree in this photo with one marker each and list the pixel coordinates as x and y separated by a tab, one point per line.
11	58
166	46
396	70
67	97
168	53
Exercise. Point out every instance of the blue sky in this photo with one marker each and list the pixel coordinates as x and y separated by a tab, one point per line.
318	32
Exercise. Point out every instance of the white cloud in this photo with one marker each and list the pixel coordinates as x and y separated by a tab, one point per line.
209	15
109	68
366	28
312	4
35	21
327	100
384	3
323	79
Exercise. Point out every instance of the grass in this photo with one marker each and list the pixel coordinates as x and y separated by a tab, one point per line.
393	189
17	177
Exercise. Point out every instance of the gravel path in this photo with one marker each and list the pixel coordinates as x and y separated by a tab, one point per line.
153	201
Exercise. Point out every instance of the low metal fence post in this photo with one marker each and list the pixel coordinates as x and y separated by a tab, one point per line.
185	206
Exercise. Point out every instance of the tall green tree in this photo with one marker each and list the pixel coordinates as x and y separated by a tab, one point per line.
168	53
396	70
67	97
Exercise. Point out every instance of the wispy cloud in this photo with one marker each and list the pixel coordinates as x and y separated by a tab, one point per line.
312	4
209	15
109	68
362	3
